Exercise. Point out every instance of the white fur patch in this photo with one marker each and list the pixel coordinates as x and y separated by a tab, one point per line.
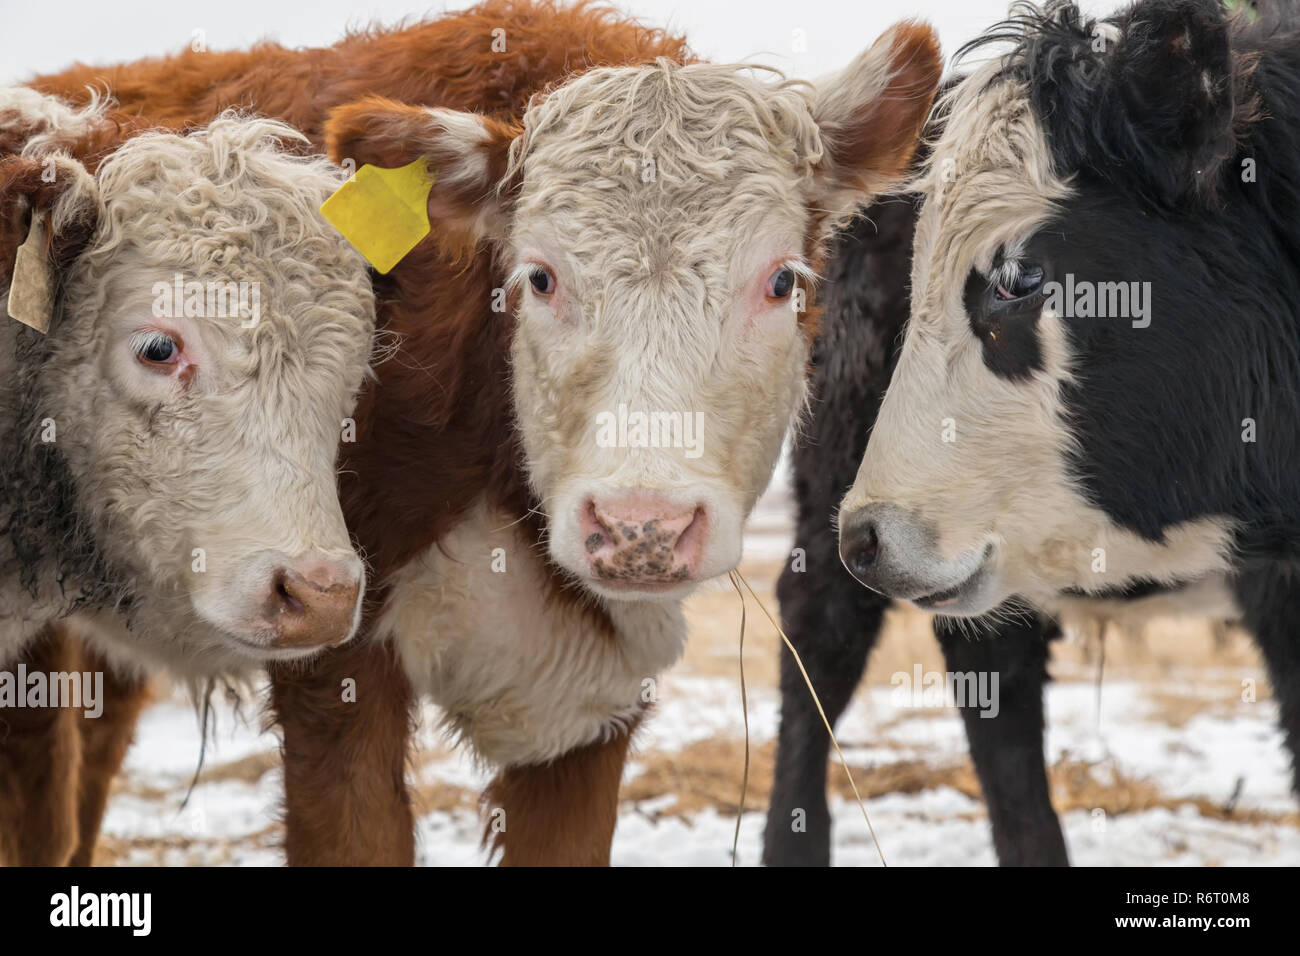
521	677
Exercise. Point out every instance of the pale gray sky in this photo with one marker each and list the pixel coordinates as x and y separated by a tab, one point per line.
38	37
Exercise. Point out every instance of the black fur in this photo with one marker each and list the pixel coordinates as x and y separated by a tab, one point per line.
1007	750
52	546
1161	199
1154	135
1107	106
834	622
1007	330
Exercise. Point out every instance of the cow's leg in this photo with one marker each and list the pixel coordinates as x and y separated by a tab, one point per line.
40	753
833	622
1007	749
560	813
1270	604
346	720
104	742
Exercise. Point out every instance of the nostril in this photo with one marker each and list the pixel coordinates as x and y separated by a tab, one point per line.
284	592
595	532
311	601
863	552
689	540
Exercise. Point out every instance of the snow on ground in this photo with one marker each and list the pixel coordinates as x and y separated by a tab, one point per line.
1174	768
234	820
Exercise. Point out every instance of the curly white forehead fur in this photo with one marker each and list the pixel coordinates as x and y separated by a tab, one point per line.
696	120
229	202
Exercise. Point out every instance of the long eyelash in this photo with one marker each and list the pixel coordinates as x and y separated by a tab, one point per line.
142	340
1005	275
518	276
1005	266
999	267
800	267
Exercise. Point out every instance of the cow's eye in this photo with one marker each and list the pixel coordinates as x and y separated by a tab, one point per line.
780	283
1016	280
152	347
542	280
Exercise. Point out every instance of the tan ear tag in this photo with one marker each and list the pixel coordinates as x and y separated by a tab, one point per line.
31	294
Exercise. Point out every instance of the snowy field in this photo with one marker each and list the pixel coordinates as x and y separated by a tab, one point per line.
1161	789
1174	768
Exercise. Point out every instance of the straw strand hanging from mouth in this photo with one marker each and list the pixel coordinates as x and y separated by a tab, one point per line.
737	576
744	710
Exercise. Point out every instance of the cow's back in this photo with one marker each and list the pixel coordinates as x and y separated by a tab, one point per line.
489	59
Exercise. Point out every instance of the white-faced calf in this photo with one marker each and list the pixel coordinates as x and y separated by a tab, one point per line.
169	471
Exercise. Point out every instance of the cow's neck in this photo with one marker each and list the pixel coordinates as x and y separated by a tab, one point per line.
524	667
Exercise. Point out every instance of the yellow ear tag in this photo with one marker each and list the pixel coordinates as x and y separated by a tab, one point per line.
384	213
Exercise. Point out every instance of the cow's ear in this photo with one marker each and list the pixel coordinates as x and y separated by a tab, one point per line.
1173	98
467	153
57	193
871	114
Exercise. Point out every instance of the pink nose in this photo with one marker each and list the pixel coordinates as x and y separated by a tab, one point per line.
643	539
313	602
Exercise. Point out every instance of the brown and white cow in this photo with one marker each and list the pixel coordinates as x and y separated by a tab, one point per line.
617	231
170	474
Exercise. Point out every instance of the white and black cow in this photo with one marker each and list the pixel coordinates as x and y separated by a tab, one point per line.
835	623
1096	398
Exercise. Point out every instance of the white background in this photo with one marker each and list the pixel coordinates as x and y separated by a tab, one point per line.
39	37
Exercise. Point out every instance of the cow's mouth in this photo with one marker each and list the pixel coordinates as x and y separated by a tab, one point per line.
634	589
965	596
267	652
259	645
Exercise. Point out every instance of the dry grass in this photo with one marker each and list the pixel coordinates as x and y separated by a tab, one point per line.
708	774
178	849
430	796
